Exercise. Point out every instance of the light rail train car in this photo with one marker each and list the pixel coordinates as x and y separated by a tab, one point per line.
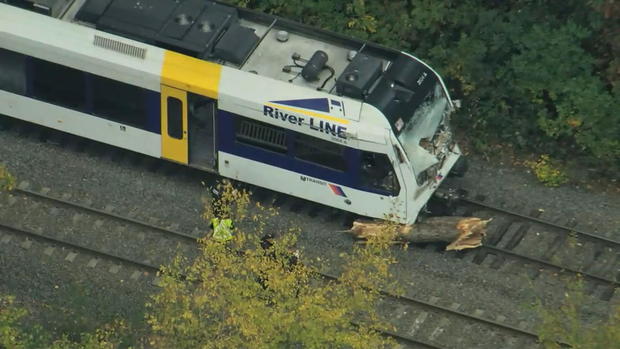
249	96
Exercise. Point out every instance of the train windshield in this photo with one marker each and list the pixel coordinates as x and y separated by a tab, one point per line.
420	135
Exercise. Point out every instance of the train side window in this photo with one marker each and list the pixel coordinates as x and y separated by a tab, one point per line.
320	152
12	72
175	118
57	84
120	102
377	173
261	135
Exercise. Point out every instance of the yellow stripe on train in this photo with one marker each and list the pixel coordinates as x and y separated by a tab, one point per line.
191	74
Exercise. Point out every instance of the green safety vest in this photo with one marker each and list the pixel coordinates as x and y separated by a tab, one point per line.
222	230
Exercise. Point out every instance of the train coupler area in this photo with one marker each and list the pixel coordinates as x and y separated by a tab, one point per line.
444	202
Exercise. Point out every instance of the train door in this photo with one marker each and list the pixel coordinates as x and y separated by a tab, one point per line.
174	140
202	137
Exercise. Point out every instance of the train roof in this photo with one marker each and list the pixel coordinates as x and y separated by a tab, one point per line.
247	40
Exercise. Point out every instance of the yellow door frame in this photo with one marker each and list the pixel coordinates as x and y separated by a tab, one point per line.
172	148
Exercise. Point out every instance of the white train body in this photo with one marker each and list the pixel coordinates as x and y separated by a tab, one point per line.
367	134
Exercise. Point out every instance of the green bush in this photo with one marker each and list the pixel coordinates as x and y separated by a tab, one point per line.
570	325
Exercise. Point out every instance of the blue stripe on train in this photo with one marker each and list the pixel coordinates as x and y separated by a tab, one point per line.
349	178
227	143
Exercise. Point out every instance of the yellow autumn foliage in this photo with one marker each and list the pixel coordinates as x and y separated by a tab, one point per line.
241	295
547	171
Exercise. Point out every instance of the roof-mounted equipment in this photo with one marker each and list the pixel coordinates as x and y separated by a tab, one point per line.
359	76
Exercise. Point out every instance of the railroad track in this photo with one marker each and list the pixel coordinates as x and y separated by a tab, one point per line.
420	323
537	244
93	258
101	229
546	245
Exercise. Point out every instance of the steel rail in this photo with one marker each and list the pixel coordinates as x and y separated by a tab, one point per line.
543	222
104	213
48	239
599	239
549	264
447	310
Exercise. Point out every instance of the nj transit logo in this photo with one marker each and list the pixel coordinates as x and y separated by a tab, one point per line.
312	113
336	189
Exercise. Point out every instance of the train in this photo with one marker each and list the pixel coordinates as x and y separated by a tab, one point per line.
242	94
